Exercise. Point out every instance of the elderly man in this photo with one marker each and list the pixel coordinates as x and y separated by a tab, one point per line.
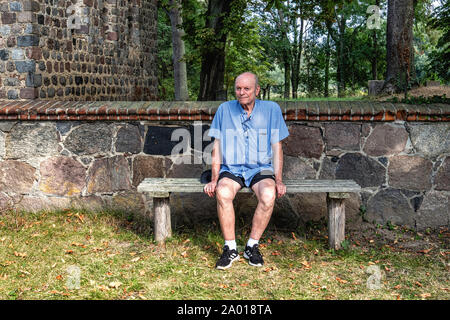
247	152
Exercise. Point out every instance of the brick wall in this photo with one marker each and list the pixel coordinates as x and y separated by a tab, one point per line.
78	50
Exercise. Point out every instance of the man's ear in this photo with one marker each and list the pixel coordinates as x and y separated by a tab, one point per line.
258	89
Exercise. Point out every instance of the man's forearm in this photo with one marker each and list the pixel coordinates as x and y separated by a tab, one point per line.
215	161
278	161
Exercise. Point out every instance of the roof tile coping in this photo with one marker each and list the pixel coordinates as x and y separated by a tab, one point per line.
205	110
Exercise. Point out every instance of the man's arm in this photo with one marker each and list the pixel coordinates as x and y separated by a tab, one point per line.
277	151
210	187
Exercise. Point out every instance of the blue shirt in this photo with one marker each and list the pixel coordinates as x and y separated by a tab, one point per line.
246	142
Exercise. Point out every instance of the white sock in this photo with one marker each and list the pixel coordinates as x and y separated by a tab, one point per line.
231	244
251	242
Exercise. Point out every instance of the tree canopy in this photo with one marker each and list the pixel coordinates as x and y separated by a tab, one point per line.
303	48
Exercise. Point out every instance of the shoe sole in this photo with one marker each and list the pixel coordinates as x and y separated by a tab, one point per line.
229	265
252	264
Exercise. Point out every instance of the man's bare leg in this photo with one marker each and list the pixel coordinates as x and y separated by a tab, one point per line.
266	195
226	191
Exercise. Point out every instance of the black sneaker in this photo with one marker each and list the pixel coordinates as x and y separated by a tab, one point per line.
254	256
227	258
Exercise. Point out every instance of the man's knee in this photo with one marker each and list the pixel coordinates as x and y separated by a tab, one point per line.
267	197
224	193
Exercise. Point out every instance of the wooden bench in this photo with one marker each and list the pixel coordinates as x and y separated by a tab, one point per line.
337	191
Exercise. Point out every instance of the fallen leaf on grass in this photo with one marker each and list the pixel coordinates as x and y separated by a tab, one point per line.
59	277
135	259
425	251
293	236
76	244
80	216
276	253
341	280
417	283
425	295
184	254
68	251
115	284
306	264
59	292
20	254
269	269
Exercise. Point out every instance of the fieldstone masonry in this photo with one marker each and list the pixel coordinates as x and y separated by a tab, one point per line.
403	166
78	49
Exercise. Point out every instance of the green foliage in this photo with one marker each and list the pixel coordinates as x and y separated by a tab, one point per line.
244	52
165	64
263	36
439	64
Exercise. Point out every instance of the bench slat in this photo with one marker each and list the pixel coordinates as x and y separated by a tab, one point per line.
192	185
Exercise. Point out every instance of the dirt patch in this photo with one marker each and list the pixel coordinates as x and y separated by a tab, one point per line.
418	92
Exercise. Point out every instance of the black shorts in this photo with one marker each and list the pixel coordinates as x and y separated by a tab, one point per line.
258	177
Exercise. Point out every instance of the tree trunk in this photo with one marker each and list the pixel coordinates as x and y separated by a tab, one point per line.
287	78
327	66
212	72
374	57
179	65
375	50
399	50
297	55
340	67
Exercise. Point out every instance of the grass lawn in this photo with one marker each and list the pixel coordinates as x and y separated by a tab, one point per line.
80	255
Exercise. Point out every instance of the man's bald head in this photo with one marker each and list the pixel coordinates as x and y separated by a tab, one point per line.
248	75
246	88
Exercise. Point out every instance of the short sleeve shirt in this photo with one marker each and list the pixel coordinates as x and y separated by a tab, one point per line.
246	142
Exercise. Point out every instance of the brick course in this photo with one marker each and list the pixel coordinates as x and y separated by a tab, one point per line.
187	111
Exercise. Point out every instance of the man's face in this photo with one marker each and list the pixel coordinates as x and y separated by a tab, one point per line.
246	89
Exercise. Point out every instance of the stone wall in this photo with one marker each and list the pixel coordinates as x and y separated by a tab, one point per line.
403	166
78	49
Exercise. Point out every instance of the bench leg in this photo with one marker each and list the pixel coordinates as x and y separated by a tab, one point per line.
162	225
336	222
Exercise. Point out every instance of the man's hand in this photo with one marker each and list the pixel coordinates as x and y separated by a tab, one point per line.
281	188
210	189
